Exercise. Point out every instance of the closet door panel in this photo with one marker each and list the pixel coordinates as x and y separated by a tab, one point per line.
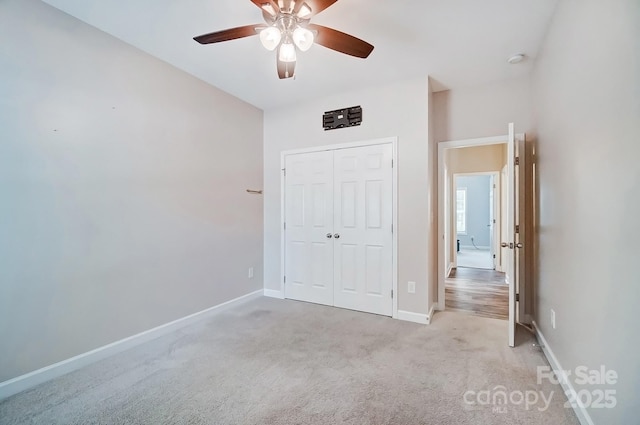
363	252
309	219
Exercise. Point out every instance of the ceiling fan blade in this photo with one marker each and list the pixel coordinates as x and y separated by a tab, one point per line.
316	6
229	34
341	42
285	69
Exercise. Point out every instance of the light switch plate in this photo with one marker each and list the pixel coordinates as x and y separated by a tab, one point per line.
411	287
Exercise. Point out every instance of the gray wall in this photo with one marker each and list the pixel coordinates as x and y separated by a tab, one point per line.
478	190
587	104
122	190
482	111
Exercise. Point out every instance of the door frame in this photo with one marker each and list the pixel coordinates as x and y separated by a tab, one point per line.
394	188
443	209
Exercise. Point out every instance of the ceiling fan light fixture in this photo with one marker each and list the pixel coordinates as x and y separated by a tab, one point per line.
303	38
287	52
288	29
304	11
270	37
268	7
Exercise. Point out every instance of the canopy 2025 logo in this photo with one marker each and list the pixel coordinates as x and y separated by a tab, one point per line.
602	397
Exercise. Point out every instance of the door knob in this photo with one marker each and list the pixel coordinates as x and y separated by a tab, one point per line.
519	245
336	235
504	244
329	235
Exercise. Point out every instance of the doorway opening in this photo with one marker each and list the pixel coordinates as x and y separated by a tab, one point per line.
473	202
475	284
506	157
503	155
477	219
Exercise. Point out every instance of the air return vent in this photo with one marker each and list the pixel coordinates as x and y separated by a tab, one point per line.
340	118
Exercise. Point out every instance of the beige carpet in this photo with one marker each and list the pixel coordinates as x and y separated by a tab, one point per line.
285	362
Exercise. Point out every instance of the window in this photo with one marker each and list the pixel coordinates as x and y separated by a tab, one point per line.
461	210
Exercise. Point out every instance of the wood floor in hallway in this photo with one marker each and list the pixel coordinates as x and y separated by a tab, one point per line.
478	292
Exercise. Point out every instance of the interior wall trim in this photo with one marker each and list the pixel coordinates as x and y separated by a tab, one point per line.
409	316
273	293
432	311
580	411
31	379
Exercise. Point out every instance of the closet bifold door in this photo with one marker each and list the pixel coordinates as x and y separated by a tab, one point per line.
309	227
362	223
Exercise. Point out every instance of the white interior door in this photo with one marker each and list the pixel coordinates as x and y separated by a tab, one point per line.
363	255
520	220
338	228
309	227
504	195
512	241
492	219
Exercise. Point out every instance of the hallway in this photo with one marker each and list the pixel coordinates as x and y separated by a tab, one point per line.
475	258
477	292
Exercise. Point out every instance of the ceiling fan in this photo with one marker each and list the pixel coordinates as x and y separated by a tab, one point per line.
288	27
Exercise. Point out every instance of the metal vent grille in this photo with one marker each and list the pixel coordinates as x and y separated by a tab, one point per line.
341	118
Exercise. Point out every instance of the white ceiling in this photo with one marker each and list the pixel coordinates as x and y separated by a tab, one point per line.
459	43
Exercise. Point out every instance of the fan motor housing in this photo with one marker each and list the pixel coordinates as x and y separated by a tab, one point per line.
341	118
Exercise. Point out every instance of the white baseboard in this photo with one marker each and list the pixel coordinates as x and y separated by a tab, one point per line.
31	379
451	266
567	386
273	293
409	316
474	248
432	311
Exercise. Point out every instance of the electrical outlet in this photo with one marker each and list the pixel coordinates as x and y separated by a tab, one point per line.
250	272
411	287
553	319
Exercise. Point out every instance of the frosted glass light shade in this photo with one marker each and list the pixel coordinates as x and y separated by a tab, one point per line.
303	38
270	37
287	52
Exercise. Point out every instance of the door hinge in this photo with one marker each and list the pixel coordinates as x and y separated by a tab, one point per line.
391	227
494	255
517	228
284	170
517	160
392	294
517	297
392	163
285	225
284	280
